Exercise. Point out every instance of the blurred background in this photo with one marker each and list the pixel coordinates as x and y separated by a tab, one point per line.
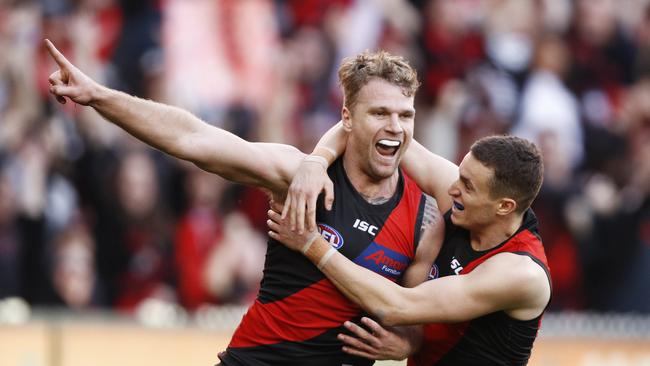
103	238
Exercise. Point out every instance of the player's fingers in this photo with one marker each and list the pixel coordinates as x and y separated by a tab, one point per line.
62	90
357	330
374	327
276	206
55	78
294	207
300	214
272	225
355	343
311	212
59	91
363	334
329	195
287	205
356	352
276	217
57	56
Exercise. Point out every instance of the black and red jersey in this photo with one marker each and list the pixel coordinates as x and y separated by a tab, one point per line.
492	339
299	312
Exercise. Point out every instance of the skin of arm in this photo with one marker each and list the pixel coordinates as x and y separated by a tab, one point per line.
427	249
178	132
488	288
432	173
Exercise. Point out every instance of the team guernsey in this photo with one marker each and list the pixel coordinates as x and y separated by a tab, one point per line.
298	312
493	339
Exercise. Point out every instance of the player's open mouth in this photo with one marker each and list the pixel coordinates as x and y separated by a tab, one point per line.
458	206
387	147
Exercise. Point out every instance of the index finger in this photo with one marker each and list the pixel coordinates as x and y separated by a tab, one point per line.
56	55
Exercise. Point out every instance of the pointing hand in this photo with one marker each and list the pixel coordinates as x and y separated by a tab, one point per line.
69	81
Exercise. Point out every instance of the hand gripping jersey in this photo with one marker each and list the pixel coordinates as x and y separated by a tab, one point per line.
493	339
299	312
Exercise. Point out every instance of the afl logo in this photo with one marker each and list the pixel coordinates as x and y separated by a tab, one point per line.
433	274
331	235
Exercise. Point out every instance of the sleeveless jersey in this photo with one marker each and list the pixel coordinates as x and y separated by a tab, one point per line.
298	312
492	339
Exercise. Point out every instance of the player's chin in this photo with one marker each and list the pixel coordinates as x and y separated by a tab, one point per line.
455	218
385	170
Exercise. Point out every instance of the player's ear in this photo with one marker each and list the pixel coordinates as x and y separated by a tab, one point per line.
346	119
506	206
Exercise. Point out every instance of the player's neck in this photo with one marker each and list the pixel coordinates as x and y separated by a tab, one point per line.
495	233
374	191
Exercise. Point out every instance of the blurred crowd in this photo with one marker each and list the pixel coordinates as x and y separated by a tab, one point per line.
91	218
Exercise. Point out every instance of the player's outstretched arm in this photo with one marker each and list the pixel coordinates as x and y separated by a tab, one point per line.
506	281
176	131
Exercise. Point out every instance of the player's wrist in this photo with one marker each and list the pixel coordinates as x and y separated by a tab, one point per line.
98	95
327	153
325	258
310	241
316	159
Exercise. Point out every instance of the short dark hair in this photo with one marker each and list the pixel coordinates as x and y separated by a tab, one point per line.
355	72
517	164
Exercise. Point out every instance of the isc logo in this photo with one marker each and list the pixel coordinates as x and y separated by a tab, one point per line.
366	227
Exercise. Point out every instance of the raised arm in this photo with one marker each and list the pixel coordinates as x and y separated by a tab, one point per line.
488	288
432	173
178	132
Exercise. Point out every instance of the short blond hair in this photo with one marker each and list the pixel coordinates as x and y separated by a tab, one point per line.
355	72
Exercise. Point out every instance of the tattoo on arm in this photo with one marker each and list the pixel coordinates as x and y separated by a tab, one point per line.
431	214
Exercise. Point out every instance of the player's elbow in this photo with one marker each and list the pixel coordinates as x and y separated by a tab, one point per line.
392	314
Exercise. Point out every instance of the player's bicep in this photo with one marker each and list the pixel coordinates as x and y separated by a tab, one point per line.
459	298
432	173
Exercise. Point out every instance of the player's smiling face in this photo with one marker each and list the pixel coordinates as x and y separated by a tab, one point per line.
473	206
381	127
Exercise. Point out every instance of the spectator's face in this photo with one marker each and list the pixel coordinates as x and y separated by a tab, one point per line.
381	127
74	272
596	20
138	191
473	207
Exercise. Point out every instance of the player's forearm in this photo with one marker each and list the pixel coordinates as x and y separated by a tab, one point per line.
432	173
163	127
332	144
375	294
